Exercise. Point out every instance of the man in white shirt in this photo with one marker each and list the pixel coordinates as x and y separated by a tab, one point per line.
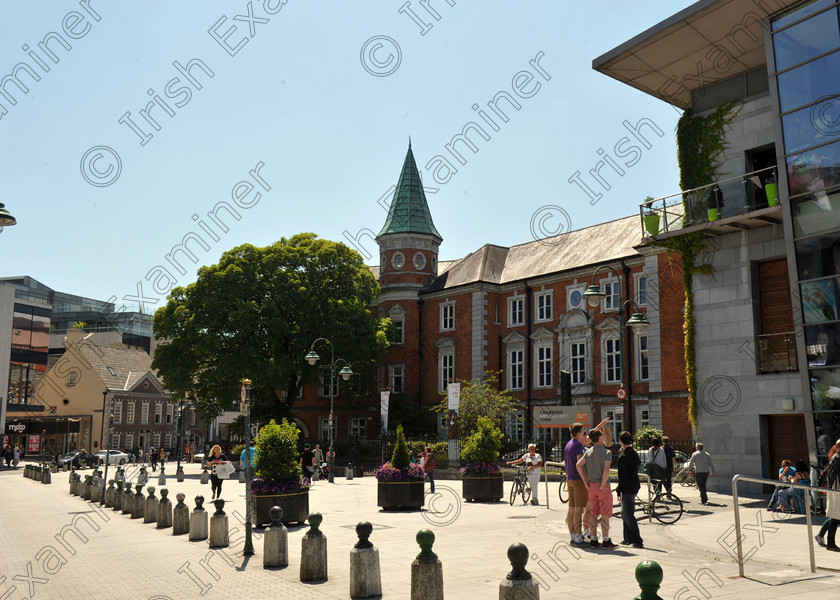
533	464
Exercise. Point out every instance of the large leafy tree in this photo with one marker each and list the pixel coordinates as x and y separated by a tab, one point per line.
255	315
481	398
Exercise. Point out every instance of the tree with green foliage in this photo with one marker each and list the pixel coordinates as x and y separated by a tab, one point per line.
256	313
481	398
644	437
276	452
401	457
484	444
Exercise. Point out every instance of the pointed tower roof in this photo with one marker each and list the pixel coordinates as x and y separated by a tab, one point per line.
409	212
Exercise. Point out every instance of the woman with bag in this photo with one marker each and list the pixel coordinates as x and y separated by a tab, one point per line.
832	509
216	458
657	464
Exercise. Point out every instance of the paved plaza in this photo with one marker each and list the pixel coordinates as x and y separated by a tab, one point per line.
118	557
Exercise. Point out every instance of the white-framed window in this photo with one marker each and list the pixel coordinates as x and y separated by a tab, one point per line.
612	359
543	306
358	426
324	428
447	316
170	409
396	378
129	440
641	289
446	368
515	426
117	412
516	311
516	369
324	385
643	371
168	441
577	362
642	416
543	363
115	441
158	412
144	413
614	422
612	289
156	439
397	316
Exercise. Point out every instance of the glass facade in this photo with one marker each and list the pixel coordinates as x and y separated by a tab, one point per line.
806	50
29	351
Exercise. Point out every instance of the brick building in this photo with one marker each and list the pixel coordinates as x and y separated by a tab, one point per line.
521	311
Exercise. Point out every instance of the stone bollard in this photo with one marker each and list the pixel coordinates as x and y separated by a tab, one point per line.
365	576
426	570
72	474
349	473
86	487
649	577
164	510
180	475
127	499
518	585
109	494
151	508
180	516
139	504
95	488
199	521
162	477
47	476
118	496
78	486
73	483
313	552
219	526
205	476
276	541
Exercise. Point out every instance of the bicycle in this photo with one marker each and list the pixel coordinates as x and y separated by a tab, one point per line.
685	477
662	506
520	486
564	489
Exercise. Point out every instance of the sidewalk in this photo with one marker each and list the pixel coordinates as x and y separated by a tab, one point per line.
120	557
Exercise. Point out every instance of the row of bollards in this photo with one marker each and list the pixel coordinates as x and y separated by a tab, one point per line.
40	473
365	573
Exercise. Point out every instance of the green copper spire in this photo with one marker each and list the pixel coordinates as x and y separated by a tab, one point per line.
409	212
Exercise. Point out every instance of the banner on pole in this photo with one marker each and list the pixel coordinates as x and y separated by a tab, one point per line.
453	393
384	396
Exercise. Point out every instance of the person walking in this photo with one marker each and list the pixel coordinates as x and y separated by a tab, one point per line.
657	458
153	459
427	461
670	463
702	465
216	457
628	488
594	468
533	465
16	456
307	461
832	509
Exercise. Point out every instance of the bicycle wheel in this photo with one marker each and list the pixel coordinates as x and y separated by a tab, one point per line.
667	508
526	492
564	491
514	490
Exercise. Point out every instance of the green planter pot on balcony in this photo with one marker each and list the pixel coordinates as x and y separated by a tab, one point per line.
713	214
772	193
652	223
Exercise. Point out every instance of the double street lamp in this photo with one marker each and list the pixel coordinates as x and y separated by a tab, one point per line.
183	406
637	322
6	219
345	373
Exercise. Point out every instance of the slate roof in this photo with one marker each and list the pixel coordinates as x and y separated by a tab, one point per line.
129	365
409	211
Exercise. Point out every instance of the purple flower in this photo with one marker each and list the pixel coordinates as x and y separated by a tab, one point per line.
483	468
413	472
263	486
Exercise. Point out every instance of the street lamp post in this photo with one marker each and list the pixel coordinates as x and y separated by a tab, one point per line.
109	432
244	408
6	219
345	373
182	407
637	322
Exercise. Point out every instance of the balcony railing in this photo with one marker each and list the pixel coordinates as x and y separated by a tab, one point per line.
777	352
708	204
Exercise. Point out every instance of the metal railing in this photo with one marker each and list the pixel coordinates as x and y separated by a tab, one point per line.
777	352
806	490
724	198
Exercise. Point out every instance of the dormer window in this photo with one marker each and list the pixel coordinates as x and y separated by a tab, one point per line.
112	371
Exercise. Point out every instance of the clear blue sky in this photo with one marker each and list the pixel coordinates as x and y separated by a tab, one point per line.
332	136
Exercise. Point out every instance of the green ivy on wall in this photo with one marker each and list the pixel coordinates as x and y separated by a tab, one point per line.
700	146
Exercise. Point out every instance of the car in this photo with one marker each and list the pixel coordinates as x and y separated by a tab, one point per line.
79	460
115	457
198	458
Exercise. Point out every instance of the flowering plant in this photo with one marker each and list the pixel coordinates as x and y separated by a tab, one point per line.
269	486
388	472
482	468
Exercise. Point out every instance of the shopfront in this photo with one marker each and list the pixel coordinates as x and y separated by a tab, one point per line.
45	435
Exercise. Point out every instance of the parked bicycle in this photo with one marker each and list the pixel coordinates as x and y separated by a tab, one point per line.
662	506
685	477
520	486
564	489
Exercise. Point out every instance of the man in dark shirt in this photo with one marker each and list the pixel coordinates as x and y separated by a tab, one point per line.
628	487
307	458
670	460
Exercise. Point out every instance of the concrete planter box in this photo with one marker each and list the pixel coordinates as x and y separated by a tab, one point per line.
483	488
295	507
400	494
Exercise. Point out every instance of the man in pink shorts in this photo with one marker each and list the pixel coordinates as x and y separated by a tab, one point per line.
594	468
